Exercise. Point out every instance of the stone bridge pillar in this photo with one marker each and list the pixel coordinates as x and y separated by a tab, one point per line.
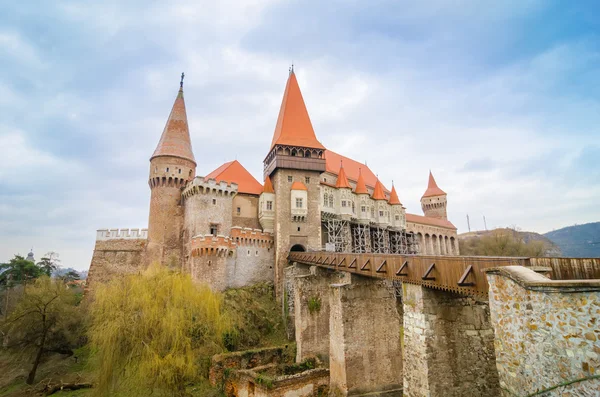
365	329
311	311
448	345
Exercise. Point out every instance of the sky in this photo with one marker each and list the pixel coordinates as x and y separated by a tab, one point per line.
501	100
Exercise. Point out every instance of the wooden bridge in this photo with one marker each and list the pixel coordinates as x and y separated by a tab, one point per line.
460	274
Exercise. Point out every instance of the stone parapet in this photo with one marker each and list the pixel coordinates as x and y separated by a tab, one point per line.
247	236
211	245
205	186
121	234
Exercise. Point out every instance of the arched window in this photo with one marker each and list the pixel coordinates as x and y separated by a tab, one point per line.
331	200
294	152
325	200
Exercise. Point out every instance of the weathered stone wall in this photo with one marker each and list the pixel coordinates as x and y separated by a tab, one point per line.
250	264
287	303
547	333
310	383
114	258
365	347
248	214
288	233
449	344
311	304
202	210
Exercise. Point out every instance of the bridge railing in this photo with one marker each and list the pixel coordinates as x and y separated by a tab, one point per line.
461	274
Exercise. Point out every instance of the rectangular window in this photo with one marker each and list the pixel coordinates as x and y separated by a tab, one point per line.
397	217
307	180
214	229
363	208
269	205
214	201
298	203
290	179
238	210
343	203
381	213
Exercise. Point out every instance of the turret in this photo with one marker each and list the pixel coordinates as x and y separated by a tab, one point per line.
172	166
434	200
398	214
382	211
364	203
345	196
266	207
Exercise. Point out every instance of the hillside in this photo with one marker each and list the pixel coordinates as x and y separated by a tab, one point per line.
578	241
466	241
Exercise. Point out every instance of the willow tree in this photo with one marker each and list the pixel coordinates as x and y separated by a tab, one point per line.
149	332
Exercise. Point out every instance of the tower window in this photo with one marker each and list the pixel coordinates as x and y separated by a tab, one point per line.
397	217
331	200
269	205
238	210
381	213
214	229
325	200
167	169
180	170
307	179
298	228
290	179
298	202
214	201
363	208
343	203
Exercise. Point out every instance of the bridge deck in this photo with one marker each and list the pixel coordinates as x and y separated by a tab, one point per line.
461	274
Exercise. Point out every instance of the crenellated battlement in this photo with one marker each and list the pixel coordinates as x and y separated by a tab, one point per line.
209	186
247	236
211	245
121	234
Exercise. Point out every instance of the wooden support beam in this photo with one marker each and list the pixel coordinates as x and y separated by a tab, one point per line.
402	268
429	270
380	269
364	267
462	282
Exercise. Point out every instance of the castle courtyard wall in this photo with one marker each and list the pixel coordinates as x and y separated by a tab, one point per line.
248	214
115	258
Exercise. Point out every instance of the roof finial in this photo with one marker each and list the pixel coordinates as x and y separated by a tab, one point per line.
181	82
292	68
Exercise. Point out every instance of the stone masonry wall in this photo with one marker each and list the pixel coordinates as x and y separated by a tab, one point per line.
248	215
114	258
545	337
249	265
449	344
365	347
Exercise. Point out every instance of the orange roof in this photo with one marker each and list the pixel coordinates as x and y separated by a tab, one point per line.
361	188
342	180
268	188
394	200
175	140
234	172
298	186
378	193
432	188
352	168
293	124
425	220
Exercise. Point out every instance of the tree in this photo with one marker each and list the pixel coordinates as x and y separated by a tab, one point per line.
49	263
18	271
150	332
502	242
46	319
69	276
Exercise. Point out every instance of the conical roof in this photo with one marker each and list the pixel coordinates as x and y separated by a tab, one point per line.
394	197
293	124
268	188
432	188
175	140
378	193
361	188
342	180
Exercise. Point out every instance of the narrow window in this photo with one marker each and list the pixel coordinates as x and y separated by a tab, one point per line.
381	214
307	179
397	217
269	205
180	170
239	210
363	209
167	169
331	200
214	229
325	200
214	201
343	203
298	228
290	179
298	202
324	179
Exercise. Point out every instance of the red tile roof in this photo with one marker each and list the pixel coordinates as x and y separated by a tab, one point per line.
378	193
342	180
175	139
425	220
293	124
361	188
268	188
234	172
432	188
298	186
394	200
351	167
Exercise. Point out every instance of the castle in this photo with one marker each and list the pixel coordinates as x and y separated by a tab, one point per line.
229	230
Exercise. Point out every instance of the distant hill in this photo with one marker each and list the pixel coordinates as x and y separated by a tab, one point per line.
579	241
62	271
550	248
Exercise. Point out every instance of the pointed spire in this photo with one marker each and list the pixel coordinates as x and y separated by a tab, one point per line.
378	193
361	188
175	140
394	200
432	188
293	124
342	179
268	188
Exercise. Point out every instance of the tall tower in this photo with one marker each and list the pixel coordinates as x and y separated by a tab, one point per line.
294	164
172	166
434	201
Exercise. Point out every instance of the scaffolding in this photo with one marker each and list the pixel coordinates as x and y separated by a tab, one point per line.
381	240
361	238
338	234
412	244
398	243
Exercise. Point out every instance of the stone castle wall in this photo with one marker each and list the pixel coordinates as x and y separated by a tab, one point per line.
248	213
114	258
547	332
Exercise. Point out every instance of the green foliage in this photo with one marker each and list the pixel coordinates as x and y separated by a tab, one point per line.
49	263
256	318
46	319
314	304
154	333
69	276
18	271
264	380
502	242
296	368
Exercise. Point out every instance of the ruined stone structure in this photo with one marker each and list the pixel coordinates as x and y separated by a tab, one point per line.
227	229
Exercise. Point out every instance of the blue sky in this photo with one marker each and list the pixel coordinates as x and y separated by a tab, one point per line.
500	99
